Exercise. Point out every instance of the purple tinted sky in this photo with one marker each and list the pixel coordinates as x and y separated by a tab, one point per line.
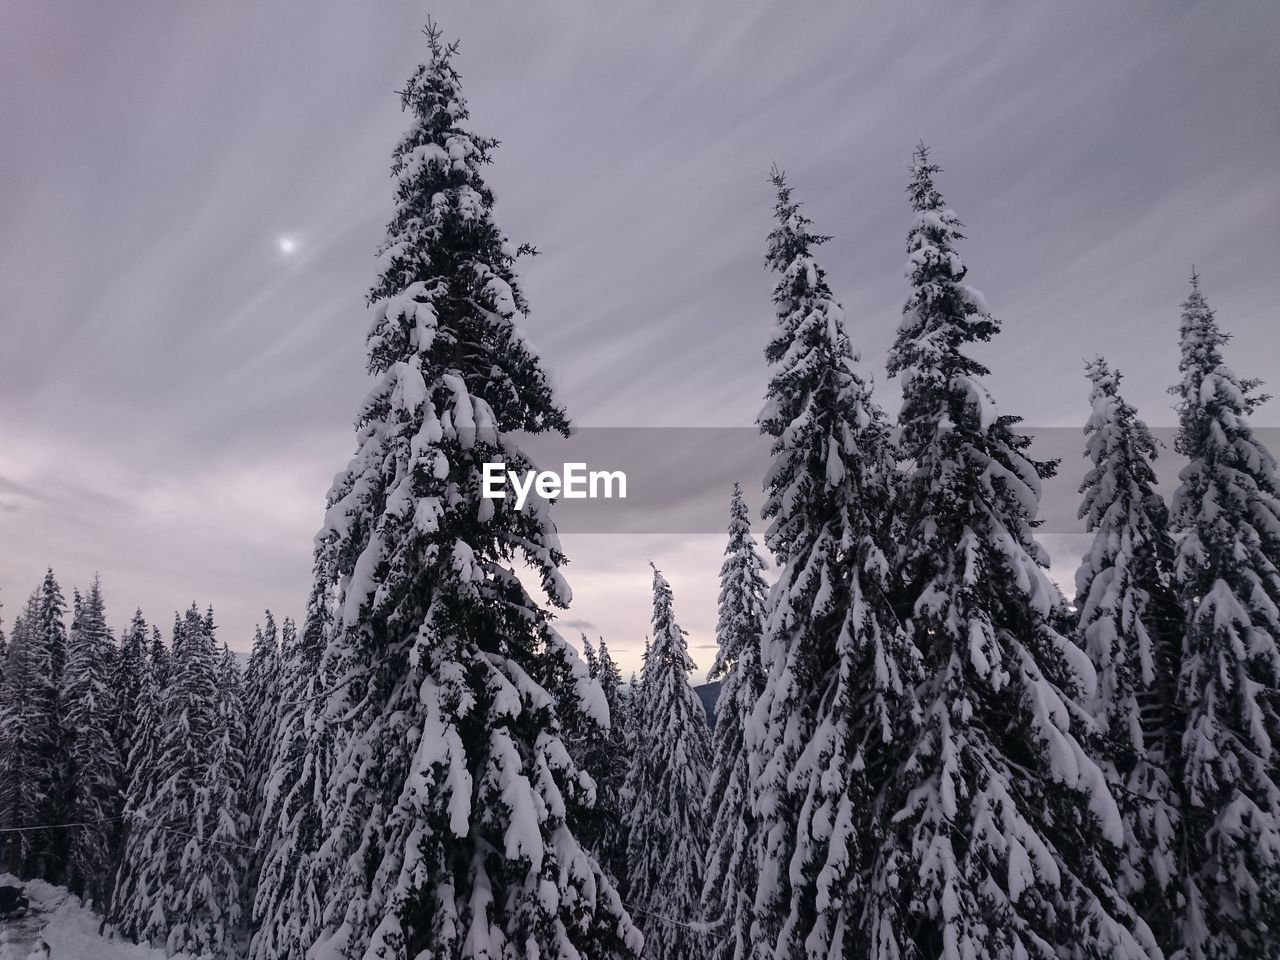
175	394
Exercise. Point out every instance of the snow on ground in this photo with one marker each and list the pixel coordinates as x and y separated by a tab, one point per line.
59	927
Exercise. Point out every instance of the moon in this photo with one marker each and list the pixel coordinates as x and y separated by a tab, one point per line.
287	245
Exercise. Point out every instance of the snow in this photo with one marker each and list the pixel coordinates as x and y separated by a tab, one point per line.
979	398
503	298
420	157
835	467
68	930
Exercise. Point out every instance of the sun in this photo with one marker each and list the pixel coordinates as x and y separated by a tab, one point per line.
287	245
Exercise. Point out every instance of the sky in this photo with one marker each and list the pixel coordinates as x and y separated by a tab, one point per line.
177	391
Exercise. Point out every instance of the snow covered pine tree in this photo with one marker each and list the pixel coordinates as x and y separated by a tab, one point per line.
138	705
94	769
174	885
729	877
33	742
606	759
139	776
636	700
1004	842
612	846
584	729
666	831
293	877
26	737
261	697
159	658
1227	506
221	816
448	830
130	675
837	670
1131	627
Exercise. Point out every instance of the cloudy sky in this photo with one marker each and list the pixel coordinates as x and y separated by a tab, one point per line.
176	392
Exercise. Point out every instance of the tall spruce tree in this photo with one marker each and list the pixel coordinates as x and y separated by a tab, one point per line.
729	881
589	741
129	678
52	622
1227	508
207	824
837	669
93	780
585	729
610	676
214	864
167	891
449	826
635	733
1131	627
610	845
666	830
636	700
262	693
1006	832
47	733
294	876
23	741
138	766
162	771
158	657
139	762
